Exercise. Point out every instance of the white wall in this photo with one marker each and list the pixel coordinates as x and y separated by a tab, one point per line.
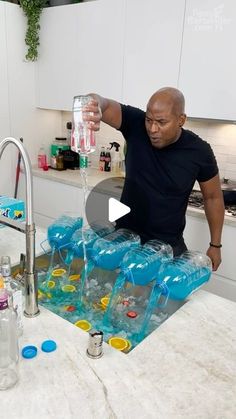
23	119
221	136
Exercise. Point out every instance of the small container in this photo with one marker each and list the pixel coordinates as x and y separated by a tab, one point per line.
59	143
95	344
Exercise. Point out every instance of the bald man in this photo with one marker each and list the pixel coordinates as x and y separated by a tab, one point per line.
163	161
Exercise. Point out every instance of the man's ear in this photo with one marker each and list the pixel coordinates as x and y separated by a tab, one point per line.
182	119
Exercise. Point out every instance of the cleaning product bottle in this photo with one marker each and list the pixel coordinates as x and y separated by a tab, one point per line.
116	159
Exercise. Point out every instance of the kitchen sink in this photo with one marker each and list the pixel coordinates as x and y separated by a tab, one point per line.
67	306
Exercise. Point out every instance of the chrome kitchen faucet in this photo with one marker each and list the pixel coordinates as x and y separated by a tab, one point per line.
28	228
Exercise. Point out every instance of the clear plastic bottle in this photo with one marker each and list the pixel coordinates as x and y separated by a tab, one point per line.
9	351
15	291
105	258
42	158
60	232
82	138
184	275
134	296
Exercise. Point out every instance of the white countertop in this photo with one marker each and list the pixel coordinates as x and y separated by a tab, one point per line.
72	177
185	369
12	243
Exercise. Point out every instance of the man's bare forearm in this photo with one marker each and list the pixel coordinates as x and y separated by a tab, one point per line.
214	210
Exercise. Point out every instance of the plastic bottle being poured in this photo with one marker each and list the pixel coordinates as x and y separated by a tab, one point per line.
82	138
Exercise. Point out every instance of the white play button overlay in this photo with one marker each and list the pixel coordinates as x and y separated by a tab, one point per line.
116	209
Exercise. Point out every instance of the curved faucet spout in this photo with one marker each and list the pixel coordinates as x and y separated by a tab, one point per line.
31	290
28	174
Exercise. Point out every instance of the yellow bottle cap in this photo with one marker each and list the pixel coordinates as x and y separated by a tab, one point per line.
68	288
118	343
58	272
75	277
84	325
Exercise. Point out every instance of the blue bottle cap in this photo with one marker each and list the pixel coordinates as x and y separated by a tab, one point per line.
49	346
29	351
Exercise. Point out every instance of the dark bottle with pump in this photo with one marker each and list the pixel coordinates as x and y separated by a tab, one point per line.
107	167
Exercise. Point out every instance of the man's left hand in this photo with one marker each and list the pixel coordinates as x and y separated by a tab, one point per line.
215	255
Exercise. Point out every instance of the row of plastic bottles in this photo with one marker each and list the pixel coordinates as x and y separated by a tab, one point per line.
110	250
130	279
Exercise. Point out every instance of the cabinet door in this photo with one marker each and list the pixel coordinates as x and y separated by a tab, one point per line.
152	48
4	105
196	236
81	51
5	167
99	50
52	199
56	73
208	63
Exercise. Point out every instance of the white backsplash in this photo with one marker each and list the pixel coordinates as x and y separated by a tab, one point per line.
220	135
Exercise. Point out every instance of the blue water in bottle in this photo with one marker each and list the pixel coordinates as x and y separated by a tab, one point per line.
184	275
60	232
108	252
141	265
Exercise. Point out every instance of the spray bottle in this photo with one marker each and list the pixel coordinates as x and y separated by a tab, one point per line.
116	159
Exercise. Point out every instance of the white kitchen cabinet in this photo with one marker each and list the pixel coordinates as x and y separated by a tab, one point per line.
4	102
52	199
208	62
197	237
6	173
152	48
81	51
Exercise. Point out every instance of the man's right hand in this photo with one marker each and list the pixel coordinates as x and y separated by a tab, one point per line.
102	109
92	114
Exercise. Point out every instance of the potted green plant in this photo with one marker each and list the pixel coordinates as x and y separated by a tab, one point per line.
32	10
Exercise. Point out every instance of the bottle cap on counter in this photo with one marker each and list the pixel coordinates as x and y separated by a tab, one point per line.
29	351
49	346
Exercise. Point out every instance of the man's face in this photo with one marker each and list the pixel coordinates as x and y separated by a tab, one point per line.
163	125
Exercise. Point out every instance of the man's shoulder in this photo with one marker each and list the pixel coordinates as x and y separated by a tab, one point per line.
195	139
130	110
